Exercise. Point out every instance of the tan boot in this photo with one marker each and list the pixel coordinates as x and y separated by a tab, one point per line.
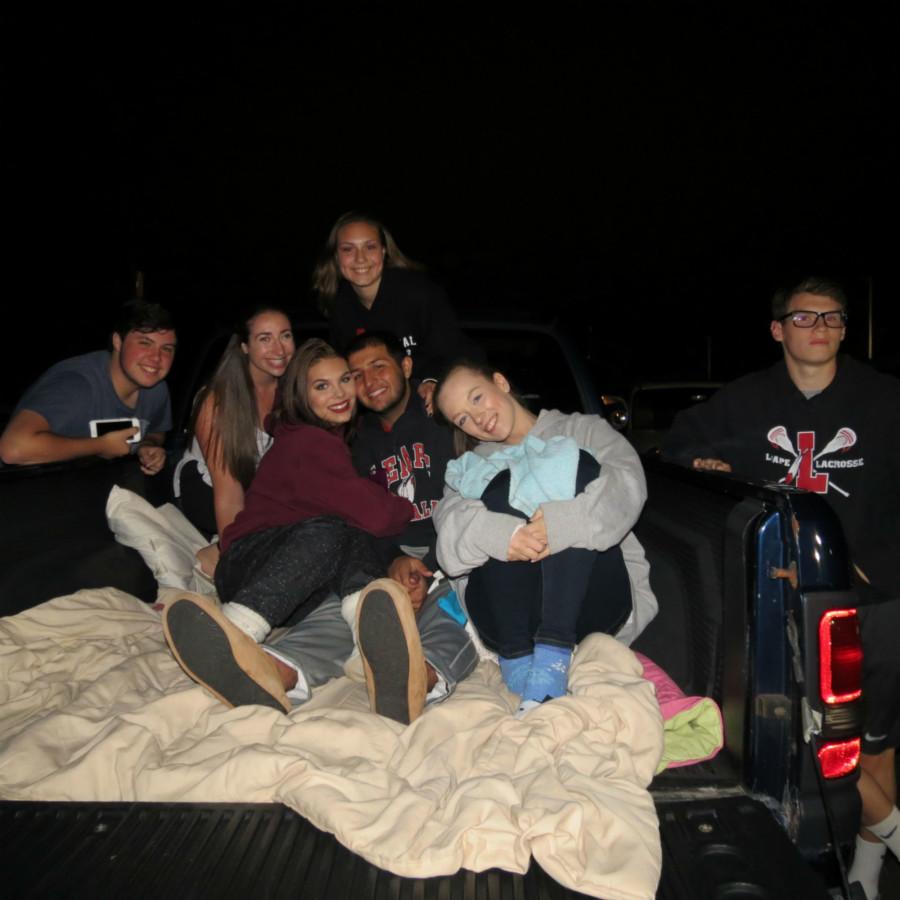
218	655
391	651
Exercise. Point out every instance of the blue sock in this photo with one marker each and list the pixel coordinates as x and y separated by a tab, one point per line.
515	672
549	675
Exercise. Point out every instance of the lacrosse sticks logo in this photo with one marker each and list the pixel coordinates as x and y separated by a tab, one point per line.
803	472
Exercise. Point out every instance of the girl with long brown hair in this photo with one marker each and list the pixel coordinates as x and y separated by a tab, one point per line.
228	433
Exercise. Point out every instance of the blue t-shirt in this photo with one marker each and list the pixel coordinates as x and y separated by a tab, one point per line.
74	391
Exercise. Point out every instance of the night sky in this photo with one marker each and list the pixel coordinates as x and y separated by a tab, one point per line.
644	174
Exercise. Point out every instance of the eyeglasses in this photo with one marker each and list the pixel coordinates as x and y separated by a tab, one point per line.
806	318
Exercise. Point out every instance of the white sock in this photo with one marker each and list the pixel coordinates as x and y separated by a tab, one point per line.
300	692
867	866
888	831
349	605
525	707
248	620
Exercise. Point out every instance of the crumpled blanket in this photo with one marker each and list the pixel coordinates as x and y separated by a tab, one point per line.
167	541
94	707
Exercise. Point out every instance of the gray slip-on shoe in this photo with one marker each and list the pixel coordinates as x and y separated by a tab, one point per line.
221	657
391	651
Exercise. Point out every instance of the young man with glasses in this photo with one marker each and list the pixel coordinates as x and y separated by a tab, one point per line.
828	424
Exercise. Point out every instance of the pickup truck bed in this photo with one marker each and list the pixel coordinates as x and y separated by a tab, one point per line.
725	833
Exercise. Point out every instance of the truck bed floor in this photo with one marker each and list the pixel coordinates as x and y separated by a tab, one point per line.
716	848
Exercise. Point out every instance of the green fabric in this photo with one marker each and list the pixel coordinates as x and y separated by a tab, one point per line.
692	735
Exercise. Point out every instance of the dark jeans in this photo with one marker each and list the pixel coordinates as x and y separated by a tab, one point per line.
559	600
284	572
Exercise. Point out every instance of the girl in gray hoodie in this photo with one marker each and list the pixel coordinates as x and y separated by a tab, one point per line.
536	530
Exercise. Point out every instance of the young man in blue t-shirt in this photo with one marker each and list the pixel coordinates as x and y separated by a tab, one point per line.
52	421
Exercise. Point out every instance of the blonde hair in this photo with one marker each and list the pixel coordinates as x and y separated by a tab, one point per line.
326	278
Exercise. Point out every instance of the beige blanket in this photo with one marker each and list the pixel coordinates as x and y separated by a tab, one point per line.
93	707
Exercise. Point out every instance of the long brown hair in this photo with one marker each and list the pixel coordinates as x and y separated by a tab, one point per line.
295	408
235	415
326	278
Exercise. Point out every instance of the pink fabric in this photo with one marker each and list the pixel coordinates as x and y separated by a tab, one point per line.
672	700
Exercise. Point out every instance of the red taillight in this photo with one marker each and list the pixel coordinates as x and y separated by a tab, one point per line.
840	656
839	758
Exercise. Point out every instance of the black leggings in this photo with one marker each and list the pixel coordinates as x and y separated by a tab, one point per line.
557	601
196	500
284	572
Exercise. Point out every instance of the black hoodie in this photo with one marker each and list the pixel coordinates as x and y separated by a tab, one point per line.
843	443
410	458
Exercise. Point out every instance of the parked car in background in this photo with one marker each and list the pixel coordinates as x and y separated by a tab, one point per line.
654	405
648	413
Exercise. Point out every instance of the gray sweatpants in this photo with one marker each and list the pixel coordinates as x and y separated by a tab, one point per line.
319	645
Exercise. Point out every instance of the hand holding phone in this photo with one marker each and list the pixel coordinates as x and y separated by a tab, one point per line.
100	427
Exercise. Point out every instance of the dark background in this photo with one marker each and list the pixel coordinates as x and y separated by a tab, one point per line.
644	174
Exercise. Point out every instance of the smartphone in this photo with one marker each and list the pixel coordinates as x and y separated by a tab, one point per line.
99	427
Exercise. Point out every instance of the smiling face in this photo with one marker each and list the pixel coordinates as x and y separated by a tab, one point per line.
817	346
360	257
141	359
482	407
269	346
381	383
330	392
